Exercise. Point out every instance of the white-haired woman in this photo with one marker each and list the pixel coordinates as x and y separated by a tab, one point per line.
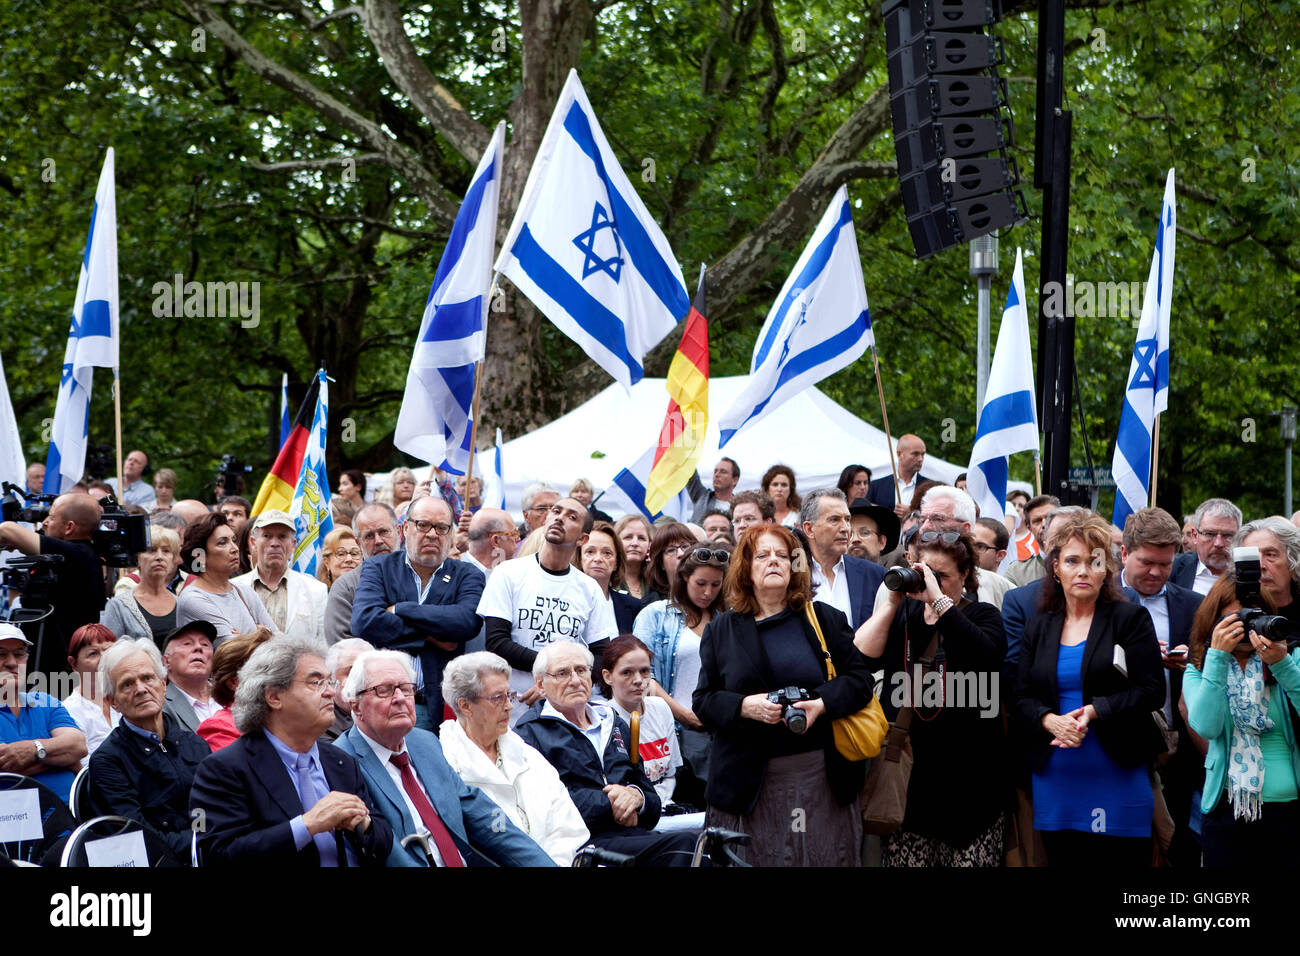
481	747
148	609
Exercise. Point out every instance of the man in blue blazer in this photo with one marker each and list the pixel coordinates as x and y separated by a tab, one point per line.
842	581
911	454
276	795
420	601
1217	520
414	787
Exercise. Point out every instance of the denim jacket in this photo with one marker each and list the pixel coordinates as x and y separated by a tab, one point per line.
658	626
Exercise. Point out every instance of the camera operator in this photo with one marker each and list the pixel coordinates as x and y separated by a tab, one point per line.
1279	562
77	595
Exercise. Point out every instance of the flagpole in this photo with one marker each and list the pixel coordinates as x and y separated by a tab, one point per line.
880	390
117	417
1038	473
1155	457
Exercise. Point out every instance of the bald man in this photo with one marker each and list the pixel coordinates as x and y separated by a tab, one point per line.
492	539
911	455
77	594
190	509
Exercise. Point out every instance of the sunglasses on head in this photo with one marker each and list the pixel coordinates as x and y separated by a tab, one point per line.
947	537
709	556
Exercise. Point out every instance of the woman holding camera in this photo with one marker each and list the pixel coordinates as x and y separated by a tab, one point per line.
923	639
1237	688
1090	676
763	775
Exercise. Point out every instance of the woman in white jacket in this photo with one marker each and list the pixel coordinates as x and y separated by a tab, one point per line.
481	747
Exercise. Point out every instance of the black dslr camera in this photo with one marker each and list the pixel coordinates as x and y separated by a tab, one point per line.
1246	568
907	580
793	717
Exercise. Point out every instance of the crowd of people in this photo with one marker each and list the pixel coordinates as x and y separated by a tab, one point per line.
457	687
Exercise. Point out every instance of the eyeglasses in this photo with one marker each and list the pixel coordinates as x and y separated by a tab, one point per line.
1215	535
935	518
349	553
318	684
981	547
947	537
707	556
512	534
385	691
499	700
440	528
565	674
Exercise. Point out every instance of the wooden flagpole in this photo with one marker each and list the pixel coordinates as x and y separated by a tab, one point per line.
117	417
880	390
1038	473
1155	457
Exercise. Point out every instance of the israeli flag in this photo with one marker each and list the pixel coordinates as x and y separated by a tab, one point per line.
494	482
312	517
627	494
1008	422
92	340
818	325
286	424
1147	394
434	423
584	249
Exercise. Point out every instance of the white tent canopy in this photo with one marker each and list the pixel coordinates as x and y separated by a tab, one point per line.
812	434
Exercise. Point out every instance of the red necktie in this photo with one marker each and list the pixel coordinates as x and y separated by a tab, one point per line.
432	822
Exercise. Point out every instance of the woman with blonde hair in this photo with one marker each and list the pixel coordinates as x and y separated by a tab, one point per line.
339	554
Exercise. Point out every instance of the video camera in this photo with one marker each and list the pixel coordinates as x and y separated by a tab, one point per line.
1252	616
20	505
230	475
117	540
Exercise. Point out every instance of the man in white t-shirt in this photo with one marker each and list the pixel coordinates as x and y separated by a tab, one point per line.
542	598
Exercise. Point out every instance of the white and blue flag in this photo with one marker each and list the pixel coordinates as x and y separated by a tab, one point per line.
434	423
627	493
312	517
585	250
1147	393
818	324
286	423
494	482
1008	422
92	340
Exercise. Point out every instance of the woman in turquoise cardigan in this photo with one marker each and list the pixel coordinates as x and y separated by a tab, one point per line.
1239	689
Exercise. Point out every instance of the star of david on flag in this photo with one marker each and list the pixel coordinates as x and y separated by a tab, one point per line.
1147	393
585	250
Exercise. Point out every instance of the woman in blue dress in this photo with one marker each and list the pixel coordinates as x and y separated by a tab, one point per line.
1090	676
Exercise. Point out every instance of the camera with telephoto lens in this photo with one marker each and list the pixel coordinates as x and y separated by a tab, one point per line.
120	537
793	717
907	580
1253	617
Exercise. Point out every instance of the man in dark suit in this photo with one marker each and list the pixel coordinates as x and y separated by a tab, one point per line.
911	453
420	601
1217	521
1151	536
842	581
276	795
413	785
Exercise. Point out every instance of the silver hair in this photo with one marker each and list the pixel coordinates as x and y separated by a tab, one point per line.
356	681
1061	511
119	652
271	667
811	508
535	489
1286	533
1216	508
336	652
963	505
392	515
463	677
539	663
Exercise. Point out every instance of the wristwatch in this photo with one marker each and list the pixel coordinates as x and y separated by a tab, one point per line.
40	751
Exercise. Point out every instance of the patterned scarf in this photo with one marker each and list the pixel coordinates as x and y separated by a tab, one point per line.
1248	700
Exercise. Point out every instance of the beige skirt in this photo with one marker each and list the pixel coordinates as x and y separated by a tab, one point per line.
797	821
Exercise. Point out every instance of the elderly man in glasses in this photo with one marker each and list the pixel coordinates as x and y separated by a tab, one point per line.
841	580
436	818
421	601
944	508
277	795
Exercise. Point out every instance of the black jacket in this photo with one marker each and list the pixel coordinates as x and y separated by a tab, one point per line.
626	608
133	777
585	777
1124	726
733	665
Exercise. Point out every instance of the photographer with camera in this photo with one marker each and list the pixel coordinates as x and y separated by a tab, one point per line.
926	627
76	594
1278	542
1239	680
758	762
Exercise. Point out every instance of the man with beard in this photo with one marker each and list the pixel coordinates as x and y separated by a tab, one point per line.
375	526
1217	520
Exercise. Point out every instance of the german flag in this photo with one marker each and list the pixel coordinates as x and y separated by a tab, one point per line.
277	488
682	436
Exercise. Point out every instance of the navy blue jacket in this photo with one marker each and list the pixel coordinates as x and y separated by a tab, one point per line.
447	614
881	490
626	608
864	581
1184	570
1019	606
572	755
133	777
